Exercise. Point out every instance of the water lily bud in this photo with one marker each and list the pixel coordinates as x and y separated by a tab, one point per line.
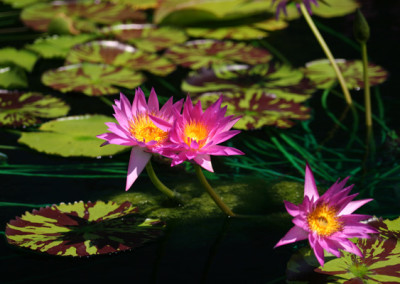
360	27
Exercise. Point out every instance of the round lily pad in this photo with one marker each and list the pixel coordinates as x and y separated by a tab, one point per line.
22	58
205	53
83	229
24	109
335	8
146	36
72	136
12	77
323	75
119	54
258	110
17	4
92	79
235	32
281	81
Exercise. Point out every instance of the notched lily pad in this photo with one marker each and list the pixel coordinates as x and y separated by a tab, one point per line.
72	136
92	79
83	229
323	75
24	109
205	53
119	54
235	32
22	58
258	110
13	77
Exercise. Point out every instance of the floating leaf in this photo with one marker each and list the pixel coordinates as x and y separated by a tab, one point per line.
92	79
205	53
271	24
21	3
381	261
279	80
258	110
323	75
12	77
147	37
22	58
72	136
335	8
237	33
118	54
84	15
58	46
83	229
23	109
138	4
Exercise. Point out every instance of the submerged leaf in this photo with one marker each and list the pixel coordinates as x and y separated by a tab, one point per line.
83	229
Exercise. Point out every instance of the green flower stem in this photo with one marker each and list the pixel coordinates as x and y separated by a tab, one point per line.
211	191
7	147
367	94
160	186
327	51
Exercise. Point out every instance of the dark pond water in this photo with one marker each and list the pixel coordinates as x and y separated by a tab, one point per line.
211	248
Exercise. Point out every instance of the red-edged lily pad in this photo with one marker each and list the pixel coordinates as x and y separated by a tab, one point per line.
92	79
323	75
83	15
119	54
83	229
280	81
258	110
24	109
146	36
235	32
205	53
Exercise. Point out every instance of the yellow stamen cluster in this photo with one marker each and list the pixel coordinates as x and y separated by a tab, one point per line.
324	221
144	130
197	131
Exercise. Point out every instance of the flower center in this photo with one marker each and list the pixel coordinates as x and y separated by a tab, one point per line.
323	220
195	131
144	130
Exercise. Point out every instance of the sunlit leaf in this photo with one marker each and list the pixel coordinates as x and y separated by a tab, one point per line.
146	37
12	77
280	81
236	32
323	75
22	58
92	79
83	229
57	46
24	109
138	4
271	24
22	3
118	54
258	110
335	8
72	136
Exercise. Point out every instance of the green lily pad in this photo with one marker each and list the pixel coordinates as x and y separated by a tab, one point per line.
205	53
139	4
17	4
258	110
81	15
146	36
72	136
323	75
83	229
24	109
381	261
118	54
12	77
58	46
22	58
281	81
271	24
92	79
236	33
335	8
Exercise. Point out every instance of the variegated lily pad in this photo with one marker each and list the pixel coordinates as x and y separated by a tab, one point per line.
381	261
139	4
58	46
279	81
83	229
92	79
83	15
118	54
236	33
323	75
22	58
12	77
72	136
146	37
24	109
258	110
205	53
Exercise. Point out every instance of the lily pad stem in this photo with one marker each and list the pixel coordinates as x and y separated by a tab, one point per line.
211	191
327	51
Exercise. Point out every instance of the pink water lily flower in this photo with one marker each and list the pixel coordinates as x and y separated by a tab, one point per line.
327	221
195	134
136	129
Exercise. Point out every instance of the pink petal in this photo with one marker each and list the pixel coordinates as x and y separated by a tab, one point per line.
205	162
291	208
139	103
293	235
115	139
221	137
318	250
125	106
353	206
160	123
137	162
310	189
218	150
153	101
